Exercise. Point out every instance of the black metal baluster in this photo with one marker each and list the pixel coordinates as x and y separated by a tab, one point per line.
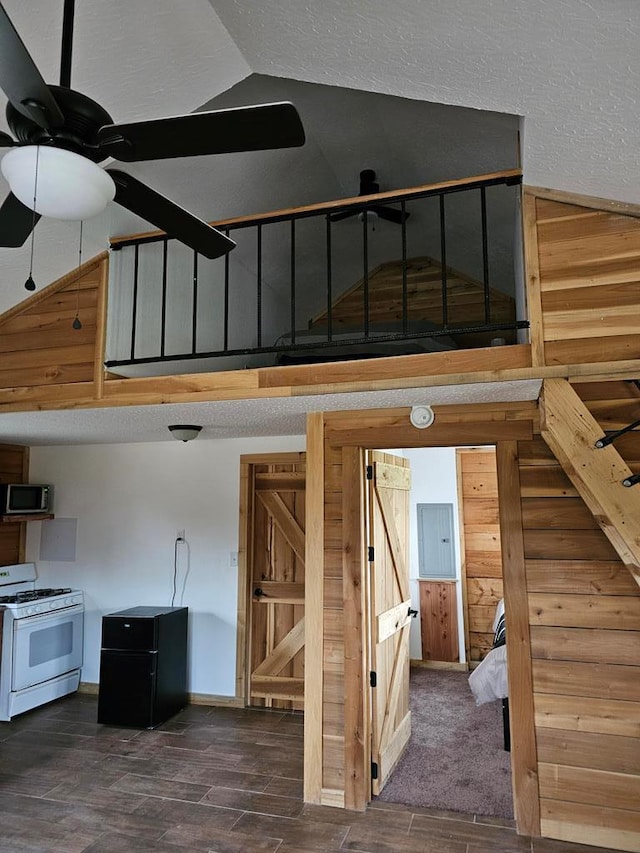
366	288
403	237
226	299
134	315
443	263
365	277
293	281
194	318
329	283
163	322
259	284
485	257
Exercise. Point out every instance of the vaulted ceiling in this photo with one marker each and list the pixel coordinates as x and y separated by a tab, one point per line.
570	70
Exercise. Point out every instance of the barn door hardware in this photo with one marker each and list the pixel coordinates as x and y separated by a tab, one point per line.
412	613
631	481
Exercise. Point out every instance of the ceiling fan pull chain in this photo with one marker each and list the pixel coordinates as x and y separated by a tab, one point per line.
76	320
30	283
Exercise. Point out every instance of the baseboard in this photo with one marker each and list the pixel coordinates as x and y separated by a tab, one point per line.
218	701
332	797
440	664
212	699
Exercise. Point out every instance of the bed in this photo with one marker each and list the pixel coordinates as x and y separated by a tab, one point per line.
489	681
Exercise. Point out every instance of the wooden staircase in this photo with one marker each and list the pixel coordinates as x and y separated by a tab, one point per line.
571	431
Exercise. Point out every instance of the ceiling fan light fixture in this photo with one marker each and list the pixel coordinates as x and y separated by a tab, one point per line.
69	186
184	432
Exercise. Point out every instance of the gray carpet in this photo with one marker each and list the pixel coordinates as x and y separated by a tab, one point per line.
455	759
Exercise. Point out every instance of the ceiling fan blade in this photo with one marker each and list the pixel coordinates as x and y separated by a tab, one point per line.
21	81
343	214
16	222
220	132
391	214
5	140
170	217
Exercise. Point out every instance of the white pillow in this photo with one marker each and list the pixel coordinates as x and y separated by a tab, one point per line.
488	681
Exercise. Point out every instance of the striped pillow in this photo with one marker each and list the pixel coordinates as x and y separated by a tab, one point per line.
499	638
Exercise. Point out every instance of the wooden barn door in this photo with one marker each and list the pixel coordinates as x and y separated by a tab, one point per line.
276	570
389	484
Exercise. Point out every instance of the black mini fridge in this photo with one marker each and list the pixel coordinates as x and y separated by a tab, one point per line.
143	666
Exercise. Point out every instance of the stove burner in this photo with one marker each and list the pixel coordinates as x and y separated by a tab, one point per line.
33	595
47	593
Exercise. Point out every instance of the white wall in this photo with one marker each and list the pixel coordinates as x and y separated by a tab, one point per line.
433	480
130	500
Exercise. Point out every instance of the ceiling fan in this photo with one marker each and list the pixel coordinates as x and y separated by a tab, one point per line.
369	186
62	135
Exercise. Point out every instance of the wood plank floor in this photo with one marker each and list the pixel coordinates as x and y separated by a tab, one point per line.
211	779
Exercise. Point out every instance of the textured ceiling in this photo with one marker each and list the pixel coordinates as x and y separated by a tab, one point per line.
233	419
570	69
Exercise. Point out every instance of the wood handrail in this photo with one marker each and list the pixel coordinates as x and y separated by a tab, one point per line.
326	206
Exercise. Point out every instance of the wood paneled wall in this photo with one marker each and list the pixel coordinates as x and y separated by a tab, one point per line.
423	276
39	346
584	615
576	746
333	701
480	546
584	273
14	468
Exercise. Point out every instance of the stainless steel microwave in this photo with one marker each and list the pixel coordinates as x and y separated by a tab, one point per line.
25	498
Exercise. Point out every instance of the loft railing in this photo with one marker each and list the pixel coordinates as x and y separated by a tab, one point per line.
327	281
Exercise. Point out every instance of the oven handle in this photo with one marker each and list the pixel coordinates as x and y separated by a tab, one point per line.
39	618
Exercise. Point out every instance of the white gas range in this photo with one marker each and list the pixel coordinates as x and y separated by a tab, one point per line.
42	632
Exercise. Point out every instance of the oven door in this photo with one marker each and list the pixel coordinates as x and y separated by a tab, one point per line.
46	646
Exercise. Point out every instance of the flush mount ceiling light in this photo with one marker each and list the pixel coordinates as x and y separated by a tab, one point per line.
422	417
184	432
56	182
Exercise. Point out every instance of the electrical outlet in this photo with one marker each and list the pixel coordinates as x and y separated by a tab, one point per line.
233	559
180	534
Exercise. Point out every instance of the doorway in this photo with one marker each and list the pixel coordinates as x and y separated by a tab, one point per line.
271	581
455	759
337	757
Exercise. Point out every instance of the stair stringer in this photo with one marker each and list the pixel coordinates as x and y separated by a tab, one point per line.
571	432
